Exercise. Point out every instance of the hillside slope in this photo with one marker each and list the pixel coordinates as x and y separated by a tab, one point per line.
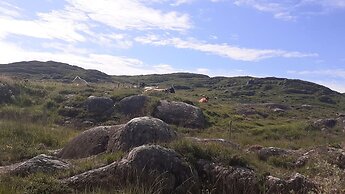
51	70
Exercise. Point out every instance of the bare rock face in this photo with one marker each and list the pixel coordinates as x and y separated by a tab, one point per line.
181	114
152	166
88	143
133	105
221	179
99	105
296	184
140	131
40	164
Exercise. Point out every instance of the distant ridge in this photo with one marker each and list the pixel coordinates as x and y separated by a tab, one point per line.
243	88
51	70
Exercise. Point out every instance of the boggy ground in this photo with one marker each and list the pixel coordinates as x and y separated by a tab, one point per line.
272	133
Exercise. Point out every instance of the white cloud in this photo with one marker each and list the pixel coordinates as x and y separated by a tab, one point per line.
79	20
180	2
54	25
204	71
131	14
8	9
115	65
334	85
278	9
336	73
225	50
121	41
332	78
290	10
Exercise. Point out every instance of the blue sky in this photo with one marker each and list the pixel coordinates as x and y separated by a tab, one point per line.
301	39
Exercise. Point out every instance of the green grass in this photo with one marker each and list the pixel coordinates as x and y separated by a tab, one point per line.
21	140
32	125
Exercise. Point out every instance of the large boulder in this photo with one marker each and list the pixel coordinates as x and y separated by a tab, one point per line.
295	184
6	93
323	124
221	179
133	105
161	169
99	105
40	164
88	143
180	113
140	131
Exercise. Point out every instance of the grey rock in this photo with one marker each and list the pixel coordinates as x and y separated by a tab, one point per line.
100	105
153	166
181	114
140	131
40	164
277	106
6	93
266	152
214	140
324	123
91	142
221	179
295	184
133	105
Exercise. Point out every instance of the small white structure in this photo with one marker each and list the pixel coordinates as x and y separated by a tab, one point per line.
79	81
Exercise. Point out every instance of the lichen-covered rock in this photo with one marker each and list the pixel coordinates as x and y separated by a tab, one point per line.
221	179
295	184
40	164
133	105
88	143
153	166
140	131
99	105
180	113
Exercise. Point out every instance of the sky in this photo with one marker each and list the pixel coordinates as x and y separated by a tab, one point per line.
300	39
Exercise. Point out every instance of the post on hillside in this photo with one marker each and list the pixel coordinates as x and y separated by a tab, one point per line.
230	129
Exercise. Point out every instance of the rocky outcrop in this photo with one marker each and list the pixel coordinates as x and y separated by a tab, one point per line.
133	105
153	166
140	131
40	164
295	184
88	143
99	105
180	113
221	179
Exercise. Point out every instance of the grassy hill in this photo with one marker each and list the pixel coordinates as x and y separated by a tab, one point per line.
51	70
45	112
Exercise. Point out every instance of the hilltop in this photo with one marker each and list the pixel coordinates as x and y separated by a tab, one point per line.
51	70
